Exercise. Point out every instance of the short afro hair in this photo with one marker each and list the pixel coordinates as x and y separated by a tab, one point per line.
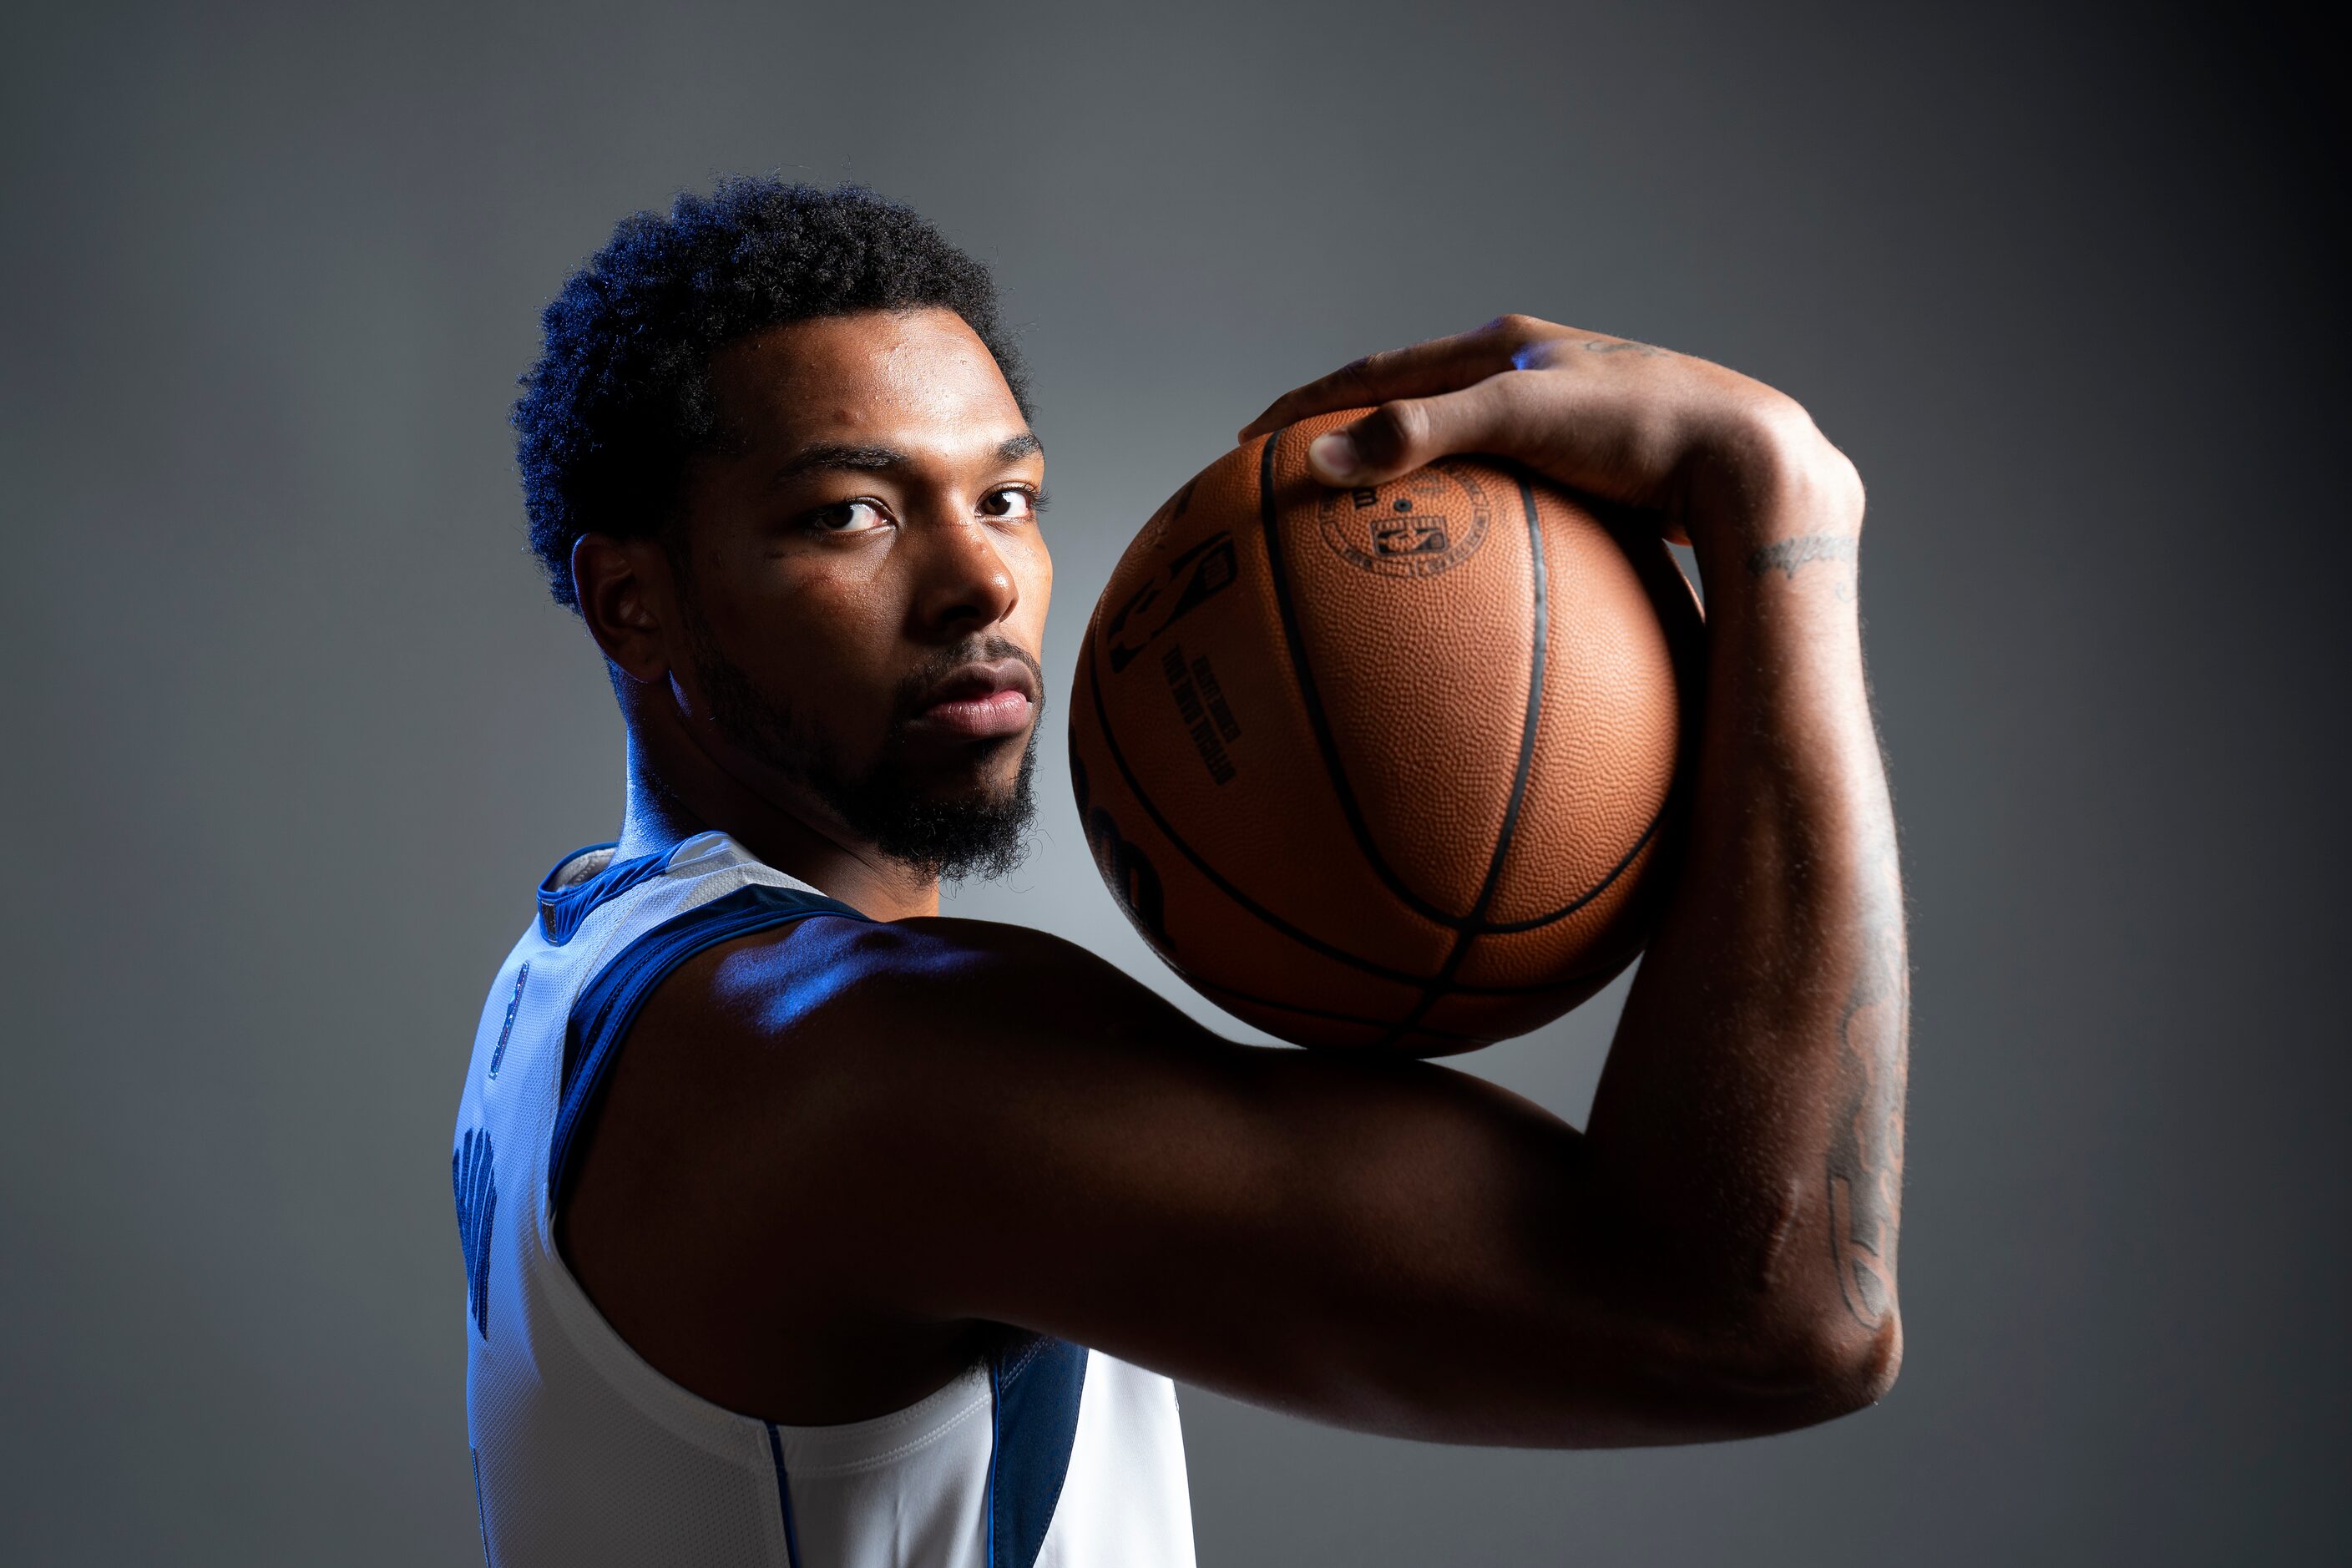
621	397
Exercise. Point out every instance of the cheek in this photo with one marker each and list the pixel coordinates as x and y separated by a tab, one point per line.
820	639
817	600
1034	571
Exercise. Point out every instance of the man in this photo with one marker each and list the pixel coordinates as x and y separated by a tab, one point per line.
787	1205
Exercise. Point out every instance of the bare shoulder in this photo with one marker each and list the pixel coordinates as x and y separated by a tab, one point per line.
776	1102
834	1090
796	998
790	1049
808	968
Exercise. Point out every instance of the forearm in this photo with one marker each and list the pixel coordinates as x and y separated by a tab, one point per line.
1715	1258
1746	1141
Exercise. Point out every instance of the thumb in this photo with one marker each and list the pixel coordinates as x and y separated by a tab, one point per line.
1403	435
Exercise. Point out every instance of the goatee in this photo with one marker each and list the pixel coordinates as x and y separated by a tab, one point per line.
981	833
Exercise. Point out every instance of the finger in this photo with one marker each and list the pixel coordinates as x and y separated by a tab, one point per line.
1441	364
1408	433
1581	430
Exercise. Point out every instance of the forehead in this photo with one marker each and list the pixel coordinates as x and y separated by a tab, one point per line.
905	379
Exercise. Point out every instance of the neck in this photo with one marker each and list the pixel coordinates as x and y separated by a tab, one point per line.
676	791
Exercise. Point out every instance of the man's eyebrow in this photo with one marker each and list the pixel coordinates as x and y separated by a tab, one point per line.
837	457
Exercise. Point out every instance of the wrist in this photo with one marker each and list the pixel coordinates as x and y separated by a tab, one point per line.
1766	477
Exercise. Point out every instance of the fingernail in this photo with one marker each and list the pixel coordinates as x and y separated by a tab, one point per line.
1335	454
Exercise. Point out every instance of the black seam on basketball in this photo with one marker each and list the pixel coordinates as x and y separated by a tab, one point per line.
1168	831
1540	632
1687	634
1506	928
1294	644
1539	617
1671	597
1324	1012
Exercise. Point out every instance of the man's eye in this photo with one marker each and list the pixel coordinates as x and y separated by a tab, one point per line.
848	517
1012	501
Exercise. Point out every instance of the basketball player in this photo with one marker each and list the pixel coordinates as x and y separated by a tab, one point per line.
803	1226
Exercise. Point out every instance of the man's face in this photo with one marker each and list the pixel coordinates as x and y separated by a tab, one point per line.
863	586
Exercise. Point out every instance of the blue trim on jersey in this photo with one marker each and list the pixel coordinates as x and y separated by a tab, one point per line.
560	910
505	1029
610	1003
481	1510
784	1496
1036	1391
473	1183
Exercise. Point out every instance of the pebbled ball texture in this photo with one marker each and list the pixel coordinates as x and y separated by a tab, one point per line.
1392	767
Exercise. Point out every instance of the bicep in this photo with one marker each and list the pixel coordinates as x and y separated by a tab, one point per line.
1038	1139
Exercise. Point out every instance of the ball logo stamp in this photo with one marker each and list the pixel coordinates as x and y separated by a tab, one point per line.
1175	590
1418	526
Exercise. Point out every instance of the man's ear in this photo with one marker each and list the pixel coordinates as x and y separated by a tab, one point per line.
629	600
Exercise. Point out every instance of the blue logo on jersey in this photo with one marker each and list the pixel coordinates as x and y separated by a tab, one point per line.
477	1202
513	1002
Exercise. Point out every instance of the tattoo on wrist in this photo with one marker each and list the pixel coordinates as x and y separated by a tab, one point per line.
1788	555
1627	345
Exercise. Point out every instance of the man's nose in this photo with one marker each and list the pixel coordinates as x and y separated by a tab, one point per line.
965	584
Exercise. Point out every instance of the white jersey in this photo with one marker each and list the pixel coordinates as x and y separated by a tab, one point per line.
1044	1456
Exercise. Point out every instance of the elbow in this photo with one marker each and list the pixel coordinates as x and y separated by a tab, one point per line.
1855	1365
1825	1342
1822	1363
1736	1377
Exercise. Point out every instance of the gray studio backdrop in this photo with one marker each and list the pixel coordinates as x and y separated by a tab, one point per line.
291	727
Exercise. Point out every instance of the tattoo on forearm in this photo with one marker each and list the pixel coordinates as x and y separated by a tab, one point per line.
1627	345
1865	1152
1787	555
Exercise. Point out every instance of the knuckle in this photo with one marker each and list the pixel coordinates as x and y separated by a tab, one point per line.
1519	327
1403	425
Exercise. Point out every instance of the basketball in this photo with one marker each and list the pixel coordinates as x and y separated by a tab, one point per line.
1391	767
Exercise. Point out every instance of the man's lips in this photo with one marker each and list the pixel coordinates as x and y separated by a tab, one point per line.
980	702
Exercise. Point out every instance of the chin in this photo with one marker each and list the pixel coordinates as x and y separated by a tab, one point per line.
978	789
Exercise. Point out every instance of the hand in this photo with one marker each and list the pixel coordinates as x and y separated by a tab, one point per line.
1722	461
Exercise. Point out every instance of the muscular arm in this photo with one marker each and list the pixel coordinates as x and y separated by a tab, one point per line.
941	1122
1754	1094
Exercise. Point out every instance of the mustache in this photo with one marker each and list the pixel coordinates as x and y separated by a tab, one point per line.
909	699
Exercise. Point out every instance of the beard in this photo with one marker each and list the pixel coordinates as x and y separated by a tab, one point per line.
981	833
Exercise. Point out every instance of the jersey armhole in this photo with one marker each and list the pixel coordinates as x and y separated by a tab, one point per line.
608	1005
